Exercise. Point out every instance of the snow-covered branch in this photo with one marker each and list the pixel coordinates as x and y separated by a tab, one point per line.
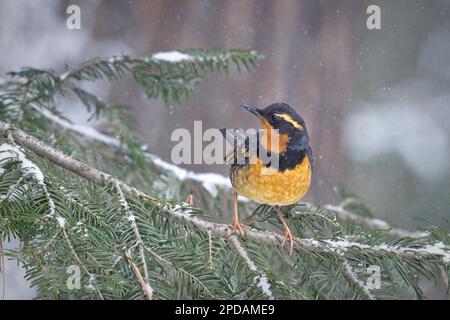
354	279
28	168
213	181
341	246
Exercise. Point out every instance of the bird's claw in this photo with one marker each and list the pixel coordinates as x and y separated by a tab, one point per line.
237	227
288	236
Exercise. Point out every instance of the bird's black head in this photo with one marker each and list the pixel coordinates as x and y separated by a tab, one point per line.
279	116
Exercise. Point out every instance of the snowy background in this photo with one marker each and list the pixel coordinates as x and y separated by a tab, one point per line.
376	102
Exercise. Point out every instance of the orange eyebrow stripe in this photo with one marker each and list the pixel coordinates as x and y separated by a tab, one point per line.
289	119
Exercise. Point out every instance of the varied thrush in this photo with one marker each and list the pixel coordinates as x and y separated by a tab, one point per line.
277	185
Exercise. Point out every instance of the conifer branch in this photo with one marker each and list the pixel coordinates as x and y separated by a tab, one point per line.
222	182
170	264
106	213
357	282
2	268
341	246
72	249
13	188
130	217
261	279
148	291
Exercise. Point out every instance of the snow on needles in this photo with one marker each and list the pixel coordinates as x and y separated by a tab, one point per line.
61	222
172	56
263	283
8	152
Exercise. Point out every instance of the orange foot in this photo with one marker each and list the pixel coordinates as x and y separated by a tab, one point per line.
236	226
288	236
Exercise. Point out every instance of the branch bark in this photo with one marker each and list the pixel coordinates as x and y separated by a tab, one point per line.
148	291
354	279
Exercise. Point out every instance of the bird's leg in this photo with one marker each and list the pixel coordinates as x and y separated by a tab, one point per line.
288	236
190	198
236	225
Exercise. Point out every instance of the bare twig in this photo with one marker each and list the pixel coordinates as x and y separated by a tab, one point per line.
148	291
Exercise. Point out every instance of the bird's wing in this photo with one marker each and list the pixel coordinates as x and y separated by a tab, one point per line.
305	148
310	157
240	143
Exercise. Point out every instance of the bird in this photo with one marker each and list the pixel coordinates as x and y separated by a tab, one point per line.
276	184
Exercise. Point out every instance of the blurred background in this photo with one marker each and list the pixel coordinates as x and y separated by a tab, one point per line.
376	102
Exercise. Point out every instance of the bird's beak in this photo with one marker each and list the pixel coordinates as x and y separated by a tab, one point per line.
251	109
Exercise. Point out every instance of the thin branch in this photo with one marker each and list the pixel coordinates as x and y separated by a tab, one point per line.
210	249
13	188
50	242
354	279
220	230
24	101
333	221
126	208
72	249
261	278
51	203
190	275
2	269
148	291
80	203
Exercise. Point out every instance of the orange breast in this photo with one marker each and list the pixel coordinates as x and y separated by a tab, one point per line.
279	188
